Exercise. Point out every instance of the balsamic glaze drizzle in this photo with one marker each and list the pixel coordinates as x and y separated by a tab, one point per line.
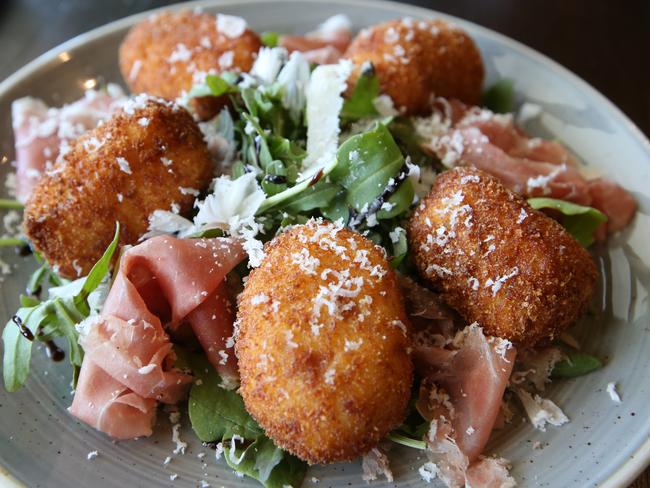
53	352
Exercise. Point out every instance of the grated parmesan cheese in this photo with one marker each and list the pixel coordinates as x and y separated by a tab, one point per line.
352	345
180	54
428	472
541	411
522	216
124	165
230	25
613	394
180	445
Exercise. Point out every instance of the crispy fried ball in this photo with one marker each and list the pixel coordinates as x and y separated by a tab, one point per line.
169	52
145	158
512	269
322	345
416	60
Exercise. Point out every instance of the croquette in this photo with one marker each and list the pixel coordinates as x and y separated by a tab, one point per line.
166	54
497	261
322	344
149	156
417	60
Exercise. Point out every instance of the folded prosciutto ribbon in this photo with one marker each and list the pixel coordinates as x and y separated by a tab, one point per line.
529	166
44	133
473	374
128	363
464	376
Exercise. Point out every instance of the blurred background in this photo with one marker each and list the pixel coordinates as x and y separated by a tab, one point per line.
606	42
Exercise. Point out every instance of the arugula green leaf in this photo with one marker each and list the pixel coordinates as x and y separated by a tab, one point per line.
317	196
215	412
5	203
270	38
218	86
400	201
409	141
17	353
219	414
11	242
285	150
412	431
214	86
407	441
580	221
366	163
266	463
400	247
576	364
360	104
337	209
298	188
275	179
55	317
36	279
97	273
500	96
28	301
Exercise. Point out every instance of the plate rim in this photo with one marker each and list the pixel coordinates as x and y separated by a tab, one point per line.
639	460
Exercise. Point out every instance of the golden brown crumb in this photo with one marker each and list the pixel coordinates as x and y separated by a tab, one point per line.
416	60
162	54
322	344
70	217
512	269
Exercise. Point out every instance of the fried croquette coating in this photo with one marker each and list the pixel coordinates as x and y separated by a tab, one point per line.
166	54
416	60
148	157
512	269
322	344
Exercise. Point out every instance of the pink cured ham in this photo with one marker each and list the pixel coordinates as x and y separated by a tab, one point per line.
186	271
128	355
320	47
110	407
613	201
42	133
454	468
470	147
465	375
212	323
474	375
529	166
461	395
137	353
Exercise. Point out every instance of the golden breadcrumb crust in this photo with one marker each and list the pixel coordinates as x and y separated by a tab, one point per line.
326	385
416	60
70	217
160	55
512	269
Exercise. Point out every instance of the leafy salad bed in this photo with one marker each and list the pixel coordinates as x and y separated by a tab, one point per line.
371	182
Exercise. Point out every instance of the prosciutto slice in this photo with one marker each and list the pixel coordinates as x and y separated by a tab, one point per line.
474	374
325	45
527	165
212	323
42	133
128	363
461	395
107	405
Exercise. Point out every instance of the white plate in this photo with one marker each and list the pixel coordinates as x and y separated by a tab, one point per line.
605	444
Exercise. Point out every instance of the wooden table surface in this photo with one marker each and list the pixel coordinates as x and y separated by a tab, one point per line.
604	42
